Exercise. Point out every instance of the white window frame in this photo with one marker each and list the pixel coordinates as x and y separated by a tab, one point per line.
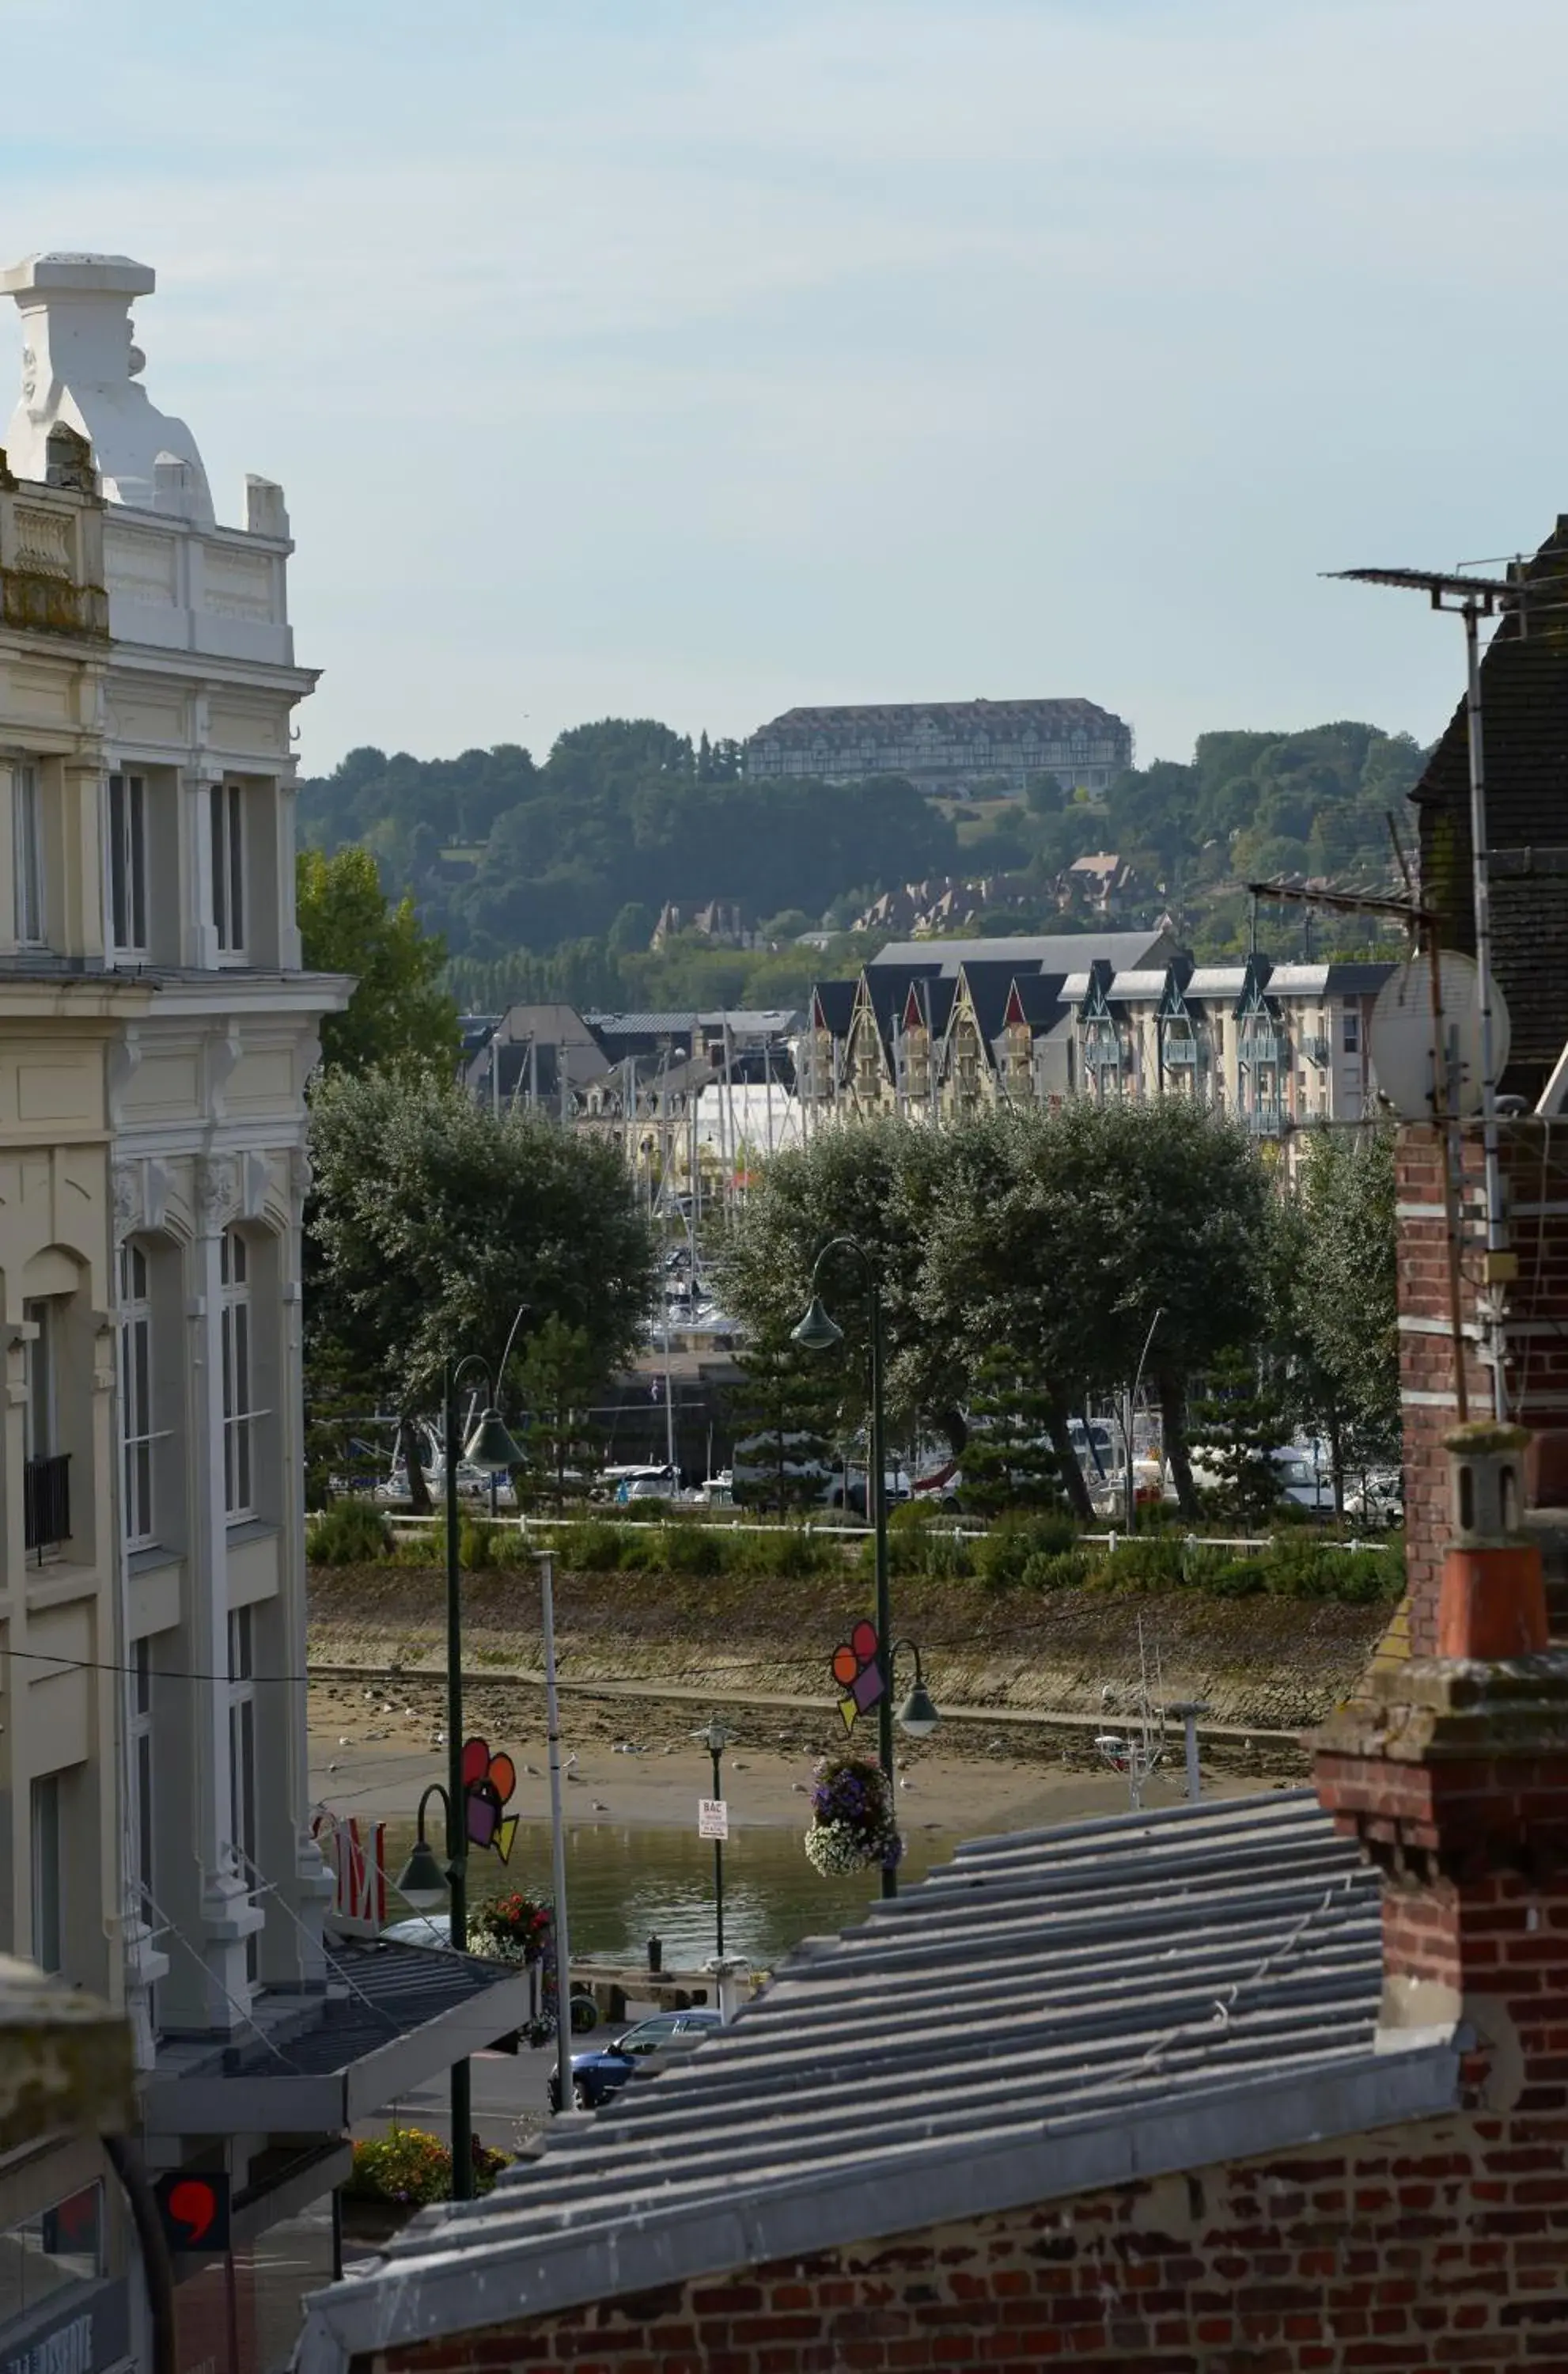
242	1789
48	1874
239	1412
31	915
144	1831
138	1494
227	887
127	862
41	1419
1350	1031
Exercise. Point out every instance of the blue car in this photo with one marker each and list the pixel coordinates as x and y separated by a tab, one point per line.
598	2075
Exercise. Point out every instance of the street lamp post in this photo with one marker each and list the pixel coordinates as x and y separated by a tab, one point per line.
491	1449
819	1333
557	1837
1130	1417
716	1739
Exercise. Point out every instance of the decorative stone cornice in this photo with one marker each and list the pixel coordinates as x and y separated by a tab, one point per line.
65	2060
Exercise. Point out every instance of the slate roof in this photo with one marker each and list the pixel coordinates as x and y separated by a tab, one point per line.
996	719
1039	998
835	1001
1524	697
1061	952
1053	2011
988	984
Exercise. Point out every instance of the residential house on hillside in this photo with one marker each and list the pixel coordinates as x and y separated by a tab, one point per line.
947	902
958	746
1101	884
721	922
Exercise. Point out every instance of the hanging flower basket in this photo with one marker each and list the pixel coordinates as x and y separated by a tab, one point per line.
853	1823
521	1929
515	1928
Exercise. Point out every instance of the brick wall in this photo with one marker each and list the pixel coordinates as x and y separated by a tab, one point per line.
1535	1171
1443	2244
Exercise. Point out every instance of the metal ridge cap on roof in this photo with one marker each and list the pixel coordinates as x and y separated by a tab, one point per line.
454	2285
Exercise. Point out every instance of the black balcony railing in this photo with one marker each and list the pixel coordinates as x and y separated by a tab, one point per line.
46	1502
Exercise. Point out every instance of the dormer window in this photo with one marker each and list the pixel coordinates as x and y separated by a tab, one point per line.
228	867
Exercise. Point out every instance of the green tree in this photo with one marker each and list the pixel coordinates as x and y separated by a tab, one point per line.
1010	1461
875	1184
1338	1299
1241	1421
786	1415
559	1374
397	1013
436	1221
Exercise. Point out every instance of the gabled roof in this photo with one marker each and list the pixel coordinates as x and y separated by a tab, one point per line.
884	992
1054	2012
1036	999
1061	952
985	986
928	1001
1524	695
833	1003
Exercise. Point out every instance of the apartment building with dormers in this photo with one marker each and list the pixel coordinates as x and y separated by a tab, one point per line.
944	1030
156	1035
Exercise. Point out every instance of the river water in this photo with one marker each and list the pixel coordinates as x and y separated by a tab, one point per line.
626	1882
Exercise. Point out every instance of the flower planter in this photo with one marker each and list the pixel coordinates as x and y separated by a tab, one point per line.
375	2221
854	1826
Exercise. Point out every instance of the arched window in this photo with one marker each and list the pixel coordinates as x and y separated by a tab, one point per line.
136	1399
238	1409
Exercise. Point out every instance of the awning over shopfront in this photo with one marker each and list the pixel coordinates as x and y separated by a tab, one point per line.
391	2017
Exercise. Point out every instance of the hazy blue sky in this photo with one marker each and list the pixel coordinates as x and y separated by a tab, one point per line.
696	357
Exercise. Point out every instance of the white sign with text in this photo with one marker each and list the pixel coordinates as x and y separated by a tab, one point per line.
712	1818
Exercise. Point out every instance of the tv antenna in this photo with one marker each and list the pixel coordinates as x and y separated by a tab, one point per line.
1141	1748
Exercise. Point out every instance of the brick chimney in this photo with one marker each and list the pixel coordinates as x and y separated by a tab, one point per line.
1452	1771
1534	1163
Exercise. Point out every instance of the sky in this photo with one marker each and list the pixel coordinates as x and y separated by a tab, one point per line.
697	359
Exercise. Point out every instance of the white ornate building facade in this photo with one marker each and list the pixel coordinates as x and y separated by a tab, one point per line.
156	1035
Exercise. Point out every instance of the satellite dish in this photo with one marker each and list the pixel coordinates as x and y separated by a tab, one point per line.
1404	1031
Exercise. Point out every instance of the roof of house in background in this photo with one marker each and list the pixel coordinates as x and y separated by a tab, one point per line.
1524	697
1052	2012
957	720
1060	952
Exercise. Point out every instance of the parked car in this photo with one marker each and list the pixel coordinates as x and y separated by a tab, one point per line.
1377	1498
640	1483
421	1929
598	2075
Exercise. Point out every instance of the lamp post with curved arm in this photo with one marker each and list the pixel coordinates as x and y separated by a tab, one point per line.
819	1333
490	1447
